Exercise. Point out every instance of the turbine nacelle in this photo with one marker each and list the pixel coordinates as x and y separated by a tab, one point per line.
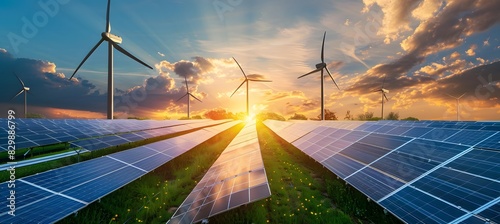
26	88
384	90
111	37
321	65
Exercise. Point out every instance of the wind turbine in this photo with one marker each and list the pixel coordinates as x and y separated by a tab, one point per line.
113	41
383	92
25	89
247	80
458	103
320	67
188	94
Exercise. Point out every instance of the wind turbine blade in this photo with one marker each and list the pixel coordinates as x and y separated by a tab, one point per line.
328	71
239	87
259	80
108	25
195	97
385	97
240	68
317	70
129	55
181	97
86	57
21	81
323	49
187	87
461	96
450	95
17	94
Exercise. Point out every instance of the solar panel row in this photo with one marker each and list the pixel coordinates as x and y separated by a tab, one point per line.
93	144
423	172
236	178
40	132
52	195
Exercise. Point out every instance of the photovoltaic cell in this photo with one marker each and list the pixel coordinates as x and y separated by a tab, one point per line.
492	213
405	166
484	163
439	134
467	191
492	143
413	206
416	132
373	183
431	150
469	137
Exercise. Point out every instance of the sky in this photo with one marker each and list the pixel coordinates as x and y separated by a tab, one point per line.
425	52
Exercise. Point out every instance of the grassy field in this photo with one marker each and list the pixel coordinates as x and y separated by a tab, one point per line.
302	190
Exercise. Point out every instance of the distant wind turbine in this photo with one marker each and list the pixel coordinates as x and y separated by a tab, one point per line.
458	104
383	92
25	89
188	94
113	41
320	67
247	80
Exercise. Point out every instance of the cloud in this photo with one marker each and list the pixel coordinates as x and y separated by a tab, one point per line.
274	96
47	85
471	51
195	71
447	29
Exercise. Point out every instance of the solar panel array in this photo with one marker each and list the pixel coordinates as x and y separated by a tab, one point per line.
52	195
40	132
236	178
422	172
102	142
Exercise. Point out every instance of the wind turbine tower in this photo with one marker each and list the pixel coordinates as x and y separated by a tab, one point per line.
247	80
188	94
383	92
113	42
320	67
458	104
24	90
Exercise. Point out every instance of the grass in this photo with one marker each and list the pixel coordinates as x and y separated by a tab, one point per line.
155	197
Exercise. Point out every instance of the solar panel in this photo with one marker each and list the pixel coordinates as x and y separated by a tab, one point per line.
50	196
414	206
236	178
492	142
422	172
374	184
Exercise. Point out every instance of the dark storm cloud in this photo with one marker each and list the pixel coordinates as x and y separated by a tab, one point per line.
481	83
48	87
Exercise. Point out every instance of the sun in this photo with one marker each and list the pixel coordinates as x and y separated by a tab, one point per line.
250	118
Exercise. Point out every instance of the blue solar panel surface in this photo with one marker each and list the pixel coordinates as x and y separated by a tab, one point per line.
422	172
50	196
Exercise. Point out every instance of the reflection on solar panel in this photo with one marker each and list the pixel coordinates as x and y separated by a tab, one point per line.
52	195
40	132
237	177
422	172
